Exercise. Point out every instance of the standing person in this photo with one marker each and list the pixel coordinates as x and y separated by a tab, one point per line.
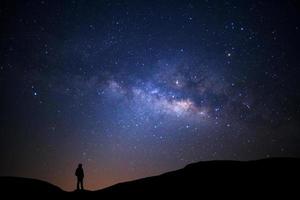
80	175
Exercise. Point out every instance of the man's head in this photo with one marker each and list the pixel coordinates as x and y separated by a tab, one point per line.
80	165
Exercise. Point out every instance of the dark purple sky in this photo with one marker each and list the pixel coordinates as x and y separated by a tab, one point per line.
137	88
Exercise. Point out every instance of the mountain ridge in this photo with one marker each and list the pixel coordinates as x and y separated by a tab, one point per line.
270	175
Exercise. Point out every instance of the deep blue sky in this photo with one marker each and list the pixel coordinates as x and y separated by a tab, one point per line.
137	88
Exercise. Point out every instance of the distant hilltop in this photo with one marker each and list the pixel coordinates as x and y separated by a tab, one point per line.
273	176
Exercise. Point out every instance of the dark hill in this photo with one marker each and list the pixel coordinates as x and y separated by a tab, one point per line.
23	186
213	178
271	177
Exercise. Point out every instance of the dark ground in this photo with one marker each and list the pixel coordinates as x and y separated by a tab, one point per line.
272	177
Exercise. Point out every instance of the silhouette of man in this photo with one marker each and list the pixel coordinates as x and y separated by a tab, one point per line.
80	174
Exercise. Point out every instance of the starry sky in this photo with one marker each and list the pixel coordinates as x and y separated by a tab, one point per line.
138	88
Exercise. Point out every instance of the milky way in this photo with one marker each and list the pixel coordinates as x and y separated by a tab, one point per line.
137	88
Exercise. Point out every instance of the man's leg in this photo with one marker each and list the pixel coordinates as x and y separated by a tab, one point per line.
81	182
77	184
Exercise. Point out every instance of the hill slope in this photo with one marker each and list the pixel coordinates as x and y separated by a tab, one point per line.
219	177
214	178
21	186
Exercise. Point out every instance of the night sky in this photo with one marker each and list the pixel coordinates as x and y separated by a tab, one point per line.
138	88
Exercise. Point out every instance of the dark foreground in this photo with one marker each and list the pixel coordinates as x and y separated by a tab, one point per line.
269	177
